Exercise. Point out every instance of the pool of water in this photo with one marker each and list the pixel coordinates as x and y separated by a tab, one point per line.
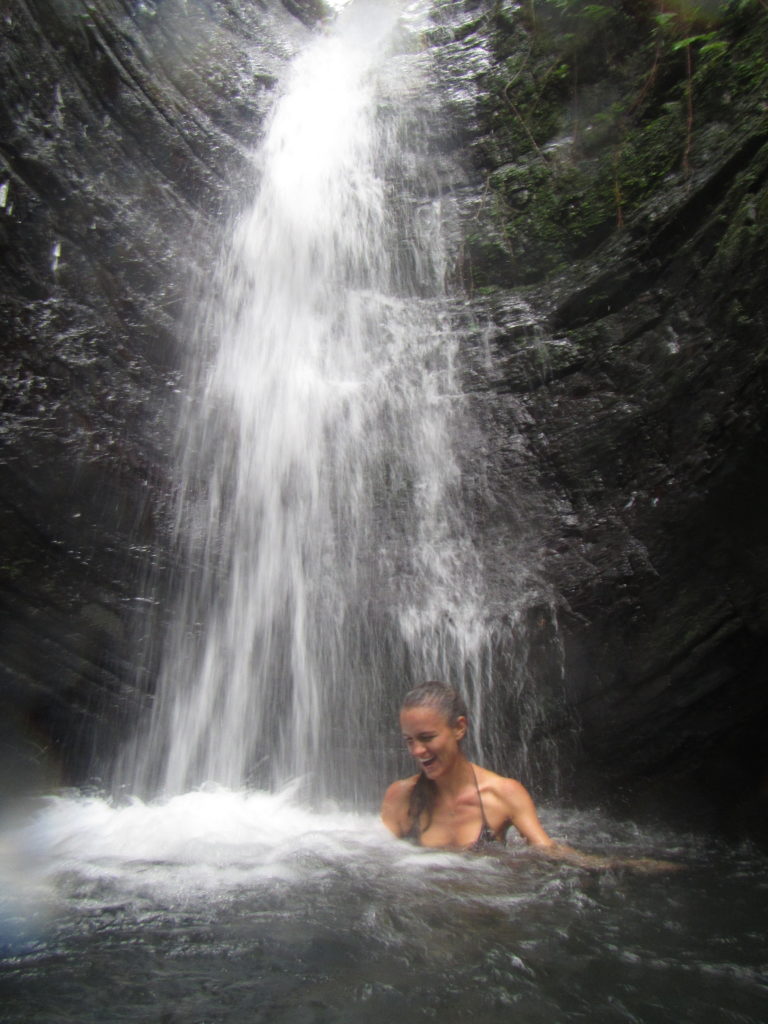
245	907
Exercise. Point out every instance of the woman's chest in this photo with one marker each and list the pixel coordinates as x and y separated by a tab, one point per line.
456	826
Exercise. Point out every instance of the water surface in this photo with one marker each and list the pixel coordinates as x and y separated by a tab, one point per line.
222	906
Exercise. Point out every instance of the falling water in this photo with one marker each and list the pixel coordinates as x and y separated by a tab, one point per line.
321	526
326	561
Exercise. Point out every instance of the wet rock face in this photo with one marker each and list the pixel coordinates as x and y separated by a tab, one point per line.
615	355
630	358
660	546
123	128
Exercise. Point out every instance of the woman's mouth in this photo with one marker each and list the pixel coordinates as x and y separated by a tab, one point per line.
427	762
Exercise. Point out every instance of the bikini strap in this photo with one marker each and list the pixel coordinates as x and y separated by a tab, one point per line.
482	809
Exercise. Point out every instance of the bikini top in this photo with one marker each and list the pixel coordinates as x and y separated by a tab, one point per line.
485	837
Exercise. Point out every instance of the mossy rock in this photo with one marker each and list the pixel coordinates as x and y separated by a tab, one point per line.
572	157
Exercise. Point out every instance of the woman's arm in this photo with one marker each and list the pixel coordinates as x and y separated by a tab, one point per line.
522	814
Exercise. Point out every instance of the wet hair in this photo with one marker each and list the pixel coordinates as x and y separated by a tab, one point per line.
443	698
450	704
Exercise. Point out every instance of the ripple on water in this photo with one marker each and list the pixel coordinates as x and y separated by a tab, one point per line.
224	906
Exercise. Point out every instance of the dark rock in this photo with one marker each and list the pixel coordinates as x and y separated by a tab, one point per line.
639	378
120	125
612	255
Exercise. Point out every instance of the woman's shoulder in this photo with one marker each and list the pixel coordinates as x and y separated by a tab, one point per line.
394	806
507	789
509	802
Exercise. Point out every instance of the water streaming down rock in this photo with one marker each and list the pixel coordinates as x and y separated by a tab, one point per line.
321	523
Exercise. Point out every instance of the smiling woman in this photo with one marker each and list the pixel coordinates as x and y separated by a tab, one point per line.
453	803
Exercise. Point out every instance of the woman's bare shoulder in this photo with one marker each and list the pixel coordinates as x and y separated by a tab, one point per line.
486	777
398	794
512	804
510	791
394	806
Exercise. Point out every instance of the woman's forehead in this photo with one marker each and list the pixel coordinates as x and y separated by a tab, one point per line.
421	718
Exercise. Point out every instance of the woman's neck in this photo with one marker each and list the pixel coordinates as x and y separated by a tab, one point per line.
456	778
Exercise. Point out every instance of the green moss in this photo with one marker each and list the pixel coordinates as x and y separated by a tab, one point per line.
487	259
745	241
589	111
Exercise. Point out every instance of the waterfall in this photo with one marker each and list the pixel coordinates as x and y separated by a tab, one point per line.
326	559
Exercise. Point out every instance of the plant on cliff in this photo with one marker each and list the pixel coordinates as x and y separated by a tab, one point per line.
589	109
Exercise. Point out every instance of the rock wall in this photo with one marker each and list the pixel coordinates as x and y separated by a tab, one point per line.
125	130
611	272
618	254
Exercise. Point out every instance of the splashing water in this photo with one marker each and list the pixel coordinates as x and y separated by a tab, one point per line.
231	907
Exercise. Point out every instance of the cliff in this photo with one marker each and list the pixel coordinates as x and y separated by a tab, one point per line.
610	283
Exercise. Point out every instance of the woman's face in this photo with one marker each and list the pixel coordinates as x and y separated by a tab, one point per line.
431	740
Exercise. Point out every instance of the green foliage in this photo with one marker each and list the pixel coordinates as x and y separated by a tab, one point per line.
578	8
664	18
590	110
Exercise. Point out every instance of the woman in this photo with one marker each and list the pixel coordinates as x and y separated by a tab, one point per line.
452	803
456	805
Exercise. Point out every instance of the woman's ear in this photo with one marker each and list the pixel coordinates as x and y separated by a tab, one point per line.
460	728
